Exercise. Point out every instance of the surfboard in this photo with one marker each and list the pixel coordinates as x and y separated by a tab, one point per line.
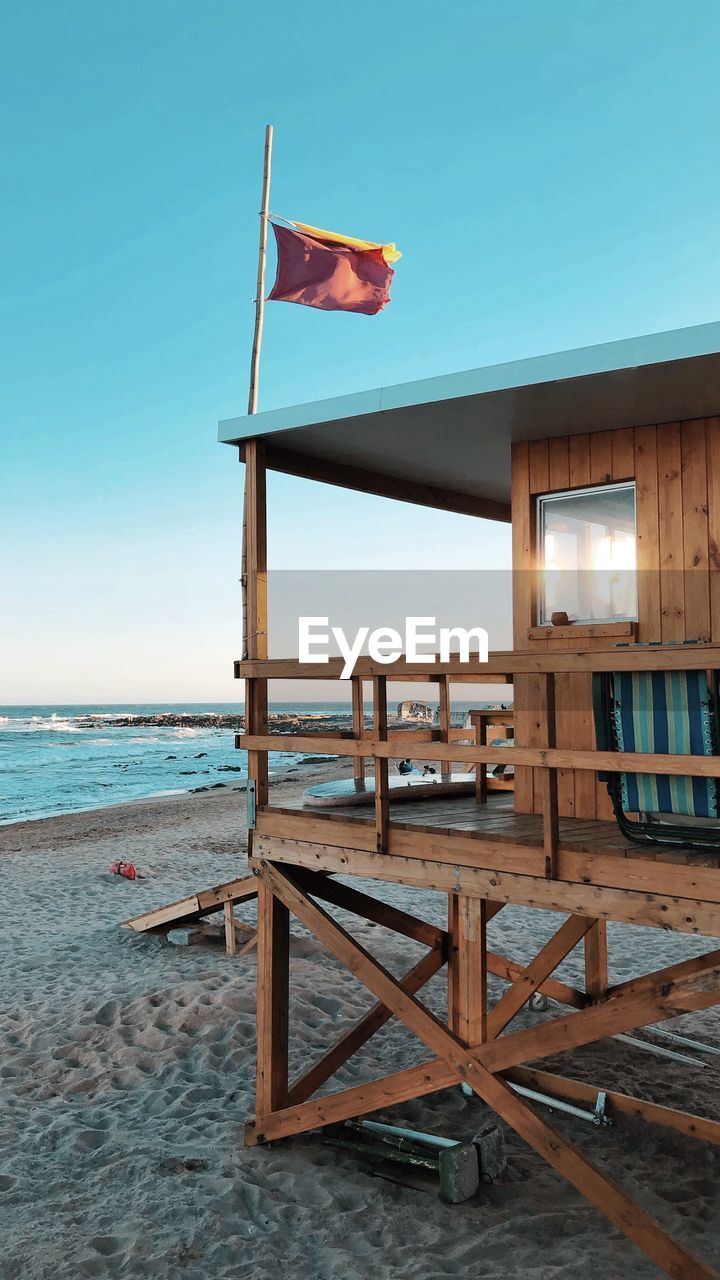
410	786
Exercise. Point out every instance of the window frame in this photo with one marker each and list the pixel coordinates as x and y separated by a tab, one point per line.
539	536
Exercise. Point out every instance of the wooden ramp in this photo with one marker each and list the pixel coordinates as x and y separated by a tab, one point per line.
187	910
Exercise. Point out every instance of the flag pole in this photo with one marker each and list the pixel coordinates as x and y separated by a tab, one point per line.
255	361
262	256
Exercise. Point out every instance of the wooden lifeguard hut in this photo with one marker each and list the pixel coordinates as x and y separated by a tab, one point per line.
607	463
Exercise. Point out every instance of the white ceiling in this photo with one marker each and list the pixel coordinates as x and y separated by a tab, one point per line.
455	431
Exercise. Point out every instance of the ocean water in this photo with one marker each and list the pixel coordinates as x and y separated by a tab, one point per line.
62	759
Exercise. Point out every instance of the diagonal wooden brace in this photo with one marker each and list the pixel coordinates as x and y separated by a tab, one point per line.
694	967
466	1064
534	975
366	1027
511	970
370	908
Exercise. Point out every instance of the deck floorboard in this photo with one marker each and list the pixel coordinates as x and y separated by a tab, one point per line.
497	818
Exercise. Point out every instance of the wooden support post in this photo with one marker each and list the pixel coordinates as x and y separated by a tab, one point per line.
382	789
230	939
256	524
358	725
596	961
273	966
467	967
256	699
546	778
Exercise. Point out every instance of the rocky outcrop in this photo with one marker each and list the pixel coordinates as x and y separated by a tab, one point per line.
278	722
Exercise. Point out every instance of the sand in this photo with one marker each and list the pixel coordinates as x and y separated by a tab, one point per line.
126	1072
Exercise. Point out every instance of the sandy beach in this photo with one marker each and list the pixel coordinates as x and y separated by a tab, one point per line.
127	1072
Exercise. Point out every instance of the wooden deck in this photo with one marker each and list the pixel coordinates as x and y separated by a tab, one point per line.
497	819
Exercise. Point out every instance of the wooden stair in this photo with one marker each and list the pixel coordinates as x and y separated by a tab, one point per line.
188	910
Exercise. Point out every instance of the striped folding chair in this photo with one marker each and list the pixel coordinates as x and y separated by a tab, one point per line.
661	712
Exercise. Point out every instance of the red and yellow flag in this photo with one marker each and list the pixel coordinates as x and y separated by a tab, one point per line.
323	269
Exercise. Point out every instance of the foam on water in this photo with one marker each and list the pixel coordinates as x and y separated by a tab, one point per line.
63	759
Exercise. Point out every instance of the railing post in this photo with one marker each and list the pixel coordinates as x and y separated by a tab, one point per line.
358	725
444	719
548	775
382	791
479	723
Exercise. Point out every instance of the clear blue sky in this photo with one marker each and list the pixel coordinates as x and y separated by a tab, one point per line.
550	172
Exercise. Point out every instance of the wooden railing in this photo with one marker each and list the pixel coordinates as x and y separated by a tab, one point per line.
446	744
500	668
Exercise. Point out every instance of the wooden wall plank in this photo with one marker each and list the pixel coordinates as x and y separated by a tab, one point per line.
558	479
522	543
571	697
622	467
539	482
671	557
695	531
646	483
522	559
623	454
712	441
538	466
579	459
588	794
601	463
558	463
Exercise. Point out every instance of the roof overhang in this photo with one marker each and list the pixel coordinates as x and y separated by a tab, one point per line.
445	441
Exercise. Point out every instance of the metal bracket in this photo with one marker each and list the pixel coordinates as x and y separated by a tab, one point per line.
251	804
599	1116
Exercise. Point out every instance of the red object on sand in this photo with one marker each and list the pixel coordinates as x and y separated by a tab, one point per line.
328	275
126	869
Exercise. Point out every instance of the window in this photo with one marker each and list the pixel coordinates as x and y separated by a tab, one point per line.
586	551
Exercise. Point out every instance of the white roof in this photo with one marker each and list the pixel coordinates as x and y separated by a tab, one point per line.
454	432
